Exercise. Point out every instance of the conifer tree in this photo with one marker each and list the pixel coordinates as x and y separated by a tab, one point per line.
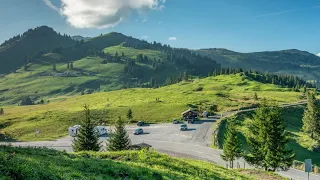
268	140
185	76
88	138
311	117
1	111
54	68
68	66
231	145
25	68
256	96
119	139
129	115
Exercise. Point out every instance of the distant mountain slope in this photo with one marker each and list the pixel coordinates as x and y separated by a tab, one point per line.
23	48
290	61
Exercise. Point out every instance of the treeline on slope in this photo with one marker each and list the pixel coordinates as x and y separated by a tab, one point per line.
284	80
195	63
180	59
30	45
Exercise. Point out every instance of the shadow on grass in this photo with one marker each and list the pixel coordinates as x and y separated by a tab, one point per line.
303	153
4	138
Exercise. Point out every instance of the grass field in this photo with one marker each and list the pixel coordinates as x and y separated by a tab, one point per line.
40	82
299	141
30	163
227	92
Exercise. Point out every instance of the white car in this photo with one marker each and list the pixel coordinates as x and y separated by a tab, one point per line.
101	130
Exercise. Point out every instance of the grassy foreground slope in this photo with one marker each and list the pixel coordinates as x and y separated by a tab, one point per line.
300	142
228	92
30	163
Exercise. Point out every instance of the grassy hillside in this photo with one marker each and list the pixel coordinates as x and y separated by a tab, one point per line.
23	48
107	62
29	163
41	82
228	92
291	61
300	142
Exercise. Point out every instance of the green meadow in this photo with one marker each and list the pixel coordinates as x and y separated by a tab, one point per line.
227	92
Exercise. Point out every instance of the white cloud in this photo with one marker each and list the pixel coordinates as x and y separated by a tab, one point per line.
49	3
318	54
172	38
145	20
102	13
144	37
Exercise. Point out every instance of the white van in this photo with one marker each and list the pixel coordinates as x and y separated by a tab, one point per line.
74	130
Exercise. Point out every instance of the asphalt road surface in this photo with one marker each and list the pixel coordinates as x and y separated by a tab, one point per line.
167	138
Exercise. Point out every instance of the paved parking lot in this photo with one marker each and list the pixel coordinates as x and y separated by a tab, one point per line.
198	133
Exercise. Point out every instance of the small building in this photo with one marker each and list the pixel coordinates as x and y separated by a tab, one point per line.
189	114
140	146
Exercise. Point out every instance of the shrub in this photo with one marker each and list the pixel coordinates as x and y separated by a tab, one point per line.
26	101
199	89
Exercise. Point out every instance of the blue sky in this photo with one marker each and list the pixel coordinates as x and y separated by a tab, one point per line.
239	25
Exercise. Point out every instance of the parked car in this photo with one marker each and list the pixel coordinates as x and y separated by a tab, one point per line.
141	123
101	130
138	131
190	121
183	127
175	121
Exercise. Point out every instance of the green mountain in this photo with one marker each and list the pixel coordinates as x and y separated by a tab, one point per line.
291	61
103	63
43	64
31	44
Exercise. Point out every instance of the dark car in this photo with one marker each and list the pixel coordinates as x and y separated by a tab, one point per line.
138	131
141	123
175	121
183	127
